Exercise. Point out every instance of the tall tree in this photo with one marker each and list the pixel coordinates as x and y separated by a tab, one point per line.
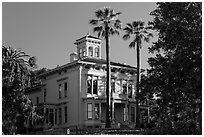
16	66
107	24
140	33
175	73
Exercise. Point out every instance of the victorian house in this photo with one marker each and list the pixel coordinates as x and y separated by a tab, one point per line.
74	94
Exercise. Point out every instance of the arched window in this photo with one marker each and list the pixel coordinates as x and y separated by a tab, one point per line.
80	53
97	52
84	51
91	51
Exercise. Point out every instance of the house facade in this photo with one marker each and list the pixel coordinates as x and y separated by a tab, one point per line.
75	94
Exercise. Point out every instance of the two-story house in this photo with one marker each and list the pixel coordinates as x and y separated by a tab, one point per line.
74	94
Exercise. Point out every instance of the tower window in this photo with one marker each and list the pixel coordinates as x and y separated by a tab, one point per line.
80	53
91	51
84	51
97	51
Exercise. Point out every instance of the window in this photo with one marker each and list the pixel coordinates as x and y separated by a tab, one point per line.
37	100
42	112
65	114
84	51
97	52
80	53
113	85
60	116
65	89
45	95
130	86
51	116
132	114
90	111
55	116
95	85
91	51
38	112
60	90
46	115
124	82
89	84
124	114
96	109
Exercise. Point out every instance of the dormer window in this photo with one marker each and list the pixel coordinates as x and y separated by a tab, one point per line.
91	51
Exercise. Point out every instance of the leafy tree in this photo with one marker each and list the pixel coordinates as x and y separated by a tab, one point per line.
107	24
175	73
140	33
16	106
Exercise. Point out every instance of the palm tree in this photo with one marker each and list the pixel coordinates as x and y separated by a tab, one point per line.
140	33
16	66
15	63
106	24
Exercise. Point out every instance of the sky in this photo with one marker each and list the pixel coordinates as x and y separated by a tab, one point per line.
49	30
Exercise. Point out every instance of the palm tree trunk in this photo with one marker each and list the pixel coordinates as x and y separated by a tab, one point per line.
137	88
108	124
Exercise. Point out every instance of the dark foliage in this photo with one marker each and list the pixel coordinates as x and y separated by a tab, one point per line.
175	73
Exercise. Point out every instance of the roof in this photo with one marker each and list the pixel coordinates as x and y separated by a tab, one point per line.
88	36
88	60
103	61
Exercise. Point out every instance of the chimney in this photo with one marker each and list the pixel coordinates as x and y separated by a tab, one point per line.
73	57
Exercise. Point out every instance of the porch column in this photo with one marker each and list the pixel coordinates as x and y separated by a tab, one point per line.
148	114
100	116
126	112
113	110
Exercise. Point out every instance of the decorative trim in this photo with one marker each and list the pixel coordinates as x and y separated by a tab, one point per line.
62	79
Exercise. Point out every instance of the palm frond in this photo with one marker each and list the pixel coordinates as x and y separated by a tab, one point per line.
103	33
146	39
132	44
98	29
150	35
93	22
129	25
135	24
128	30
126	36
118	24
141	23
107	11
118	13
99	14
112	15
114	31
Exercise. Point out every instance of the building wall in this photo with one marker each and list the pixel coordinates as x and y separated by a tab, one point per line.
33	96
76	100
